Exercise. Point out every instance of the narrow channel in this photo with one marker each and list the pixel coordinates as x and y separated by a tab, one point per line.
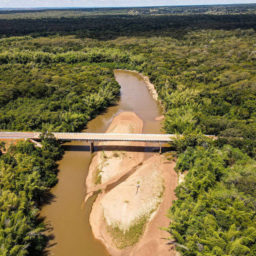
67	214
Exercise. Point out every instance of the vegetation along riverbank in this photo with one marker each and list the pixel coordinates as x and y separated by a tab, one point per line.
57	74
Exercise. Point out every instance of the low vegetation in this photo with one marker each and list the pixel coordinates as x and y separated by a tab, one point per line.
97	179
130	237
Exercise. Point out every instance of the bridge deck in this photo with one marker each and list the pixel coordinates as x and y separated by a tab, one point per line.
93	136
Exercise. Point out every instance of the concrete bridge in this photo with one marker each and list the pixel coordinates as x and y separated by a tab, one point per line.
93	137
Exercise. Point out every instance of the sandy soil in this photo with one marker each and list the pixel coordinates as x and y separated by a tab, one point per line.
150	86
112	165
120	201
159	118
154	240
135	197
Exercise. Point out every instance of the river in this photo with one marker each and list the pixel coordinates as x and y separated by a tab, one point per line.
67	214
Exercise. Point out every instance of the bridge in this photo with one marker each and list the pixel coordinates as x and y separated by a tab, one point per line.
93	137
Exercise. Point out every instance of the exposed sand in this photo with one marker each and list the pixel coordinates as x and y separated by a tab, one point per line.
111	165
136	197
122	201
154	240
159	118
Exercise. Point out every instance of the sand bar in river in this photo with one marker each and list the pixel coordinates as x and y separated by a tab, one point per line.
132	187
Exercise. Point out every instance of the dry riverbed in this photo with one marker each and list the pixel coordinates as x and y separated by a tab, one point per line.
111	165
135	196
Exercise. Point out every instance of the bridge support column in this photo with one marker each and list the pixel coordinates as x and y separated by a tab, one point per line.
91	146
160	147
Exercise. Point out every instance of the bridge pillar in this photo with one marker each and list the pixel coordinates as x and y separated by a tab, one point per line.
160	147
91	146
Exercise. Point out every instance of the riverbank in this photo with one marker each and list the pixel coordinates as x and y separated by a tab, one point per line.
135	198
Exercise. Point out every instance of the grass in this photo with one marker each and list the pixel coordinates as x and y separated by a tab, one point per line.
104	155
170	155
130	237
123	239
97	175
97	179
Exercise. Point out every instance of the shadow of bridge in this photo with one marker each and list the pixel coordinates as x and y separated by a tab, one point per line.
146	149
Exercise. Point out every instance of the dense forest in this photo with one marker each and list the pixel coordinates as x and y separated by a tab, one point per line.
107	27
56	73
26	174
54	97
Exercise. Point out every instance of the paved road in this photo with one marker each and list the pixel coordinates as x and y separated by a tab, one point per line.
93	136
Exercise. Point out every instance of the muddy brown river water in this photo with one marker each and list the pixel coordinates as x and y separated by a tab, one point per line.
67	214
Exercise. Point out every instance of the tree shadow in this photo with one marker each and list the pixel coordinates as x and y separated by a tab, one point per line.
46	198
50	237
